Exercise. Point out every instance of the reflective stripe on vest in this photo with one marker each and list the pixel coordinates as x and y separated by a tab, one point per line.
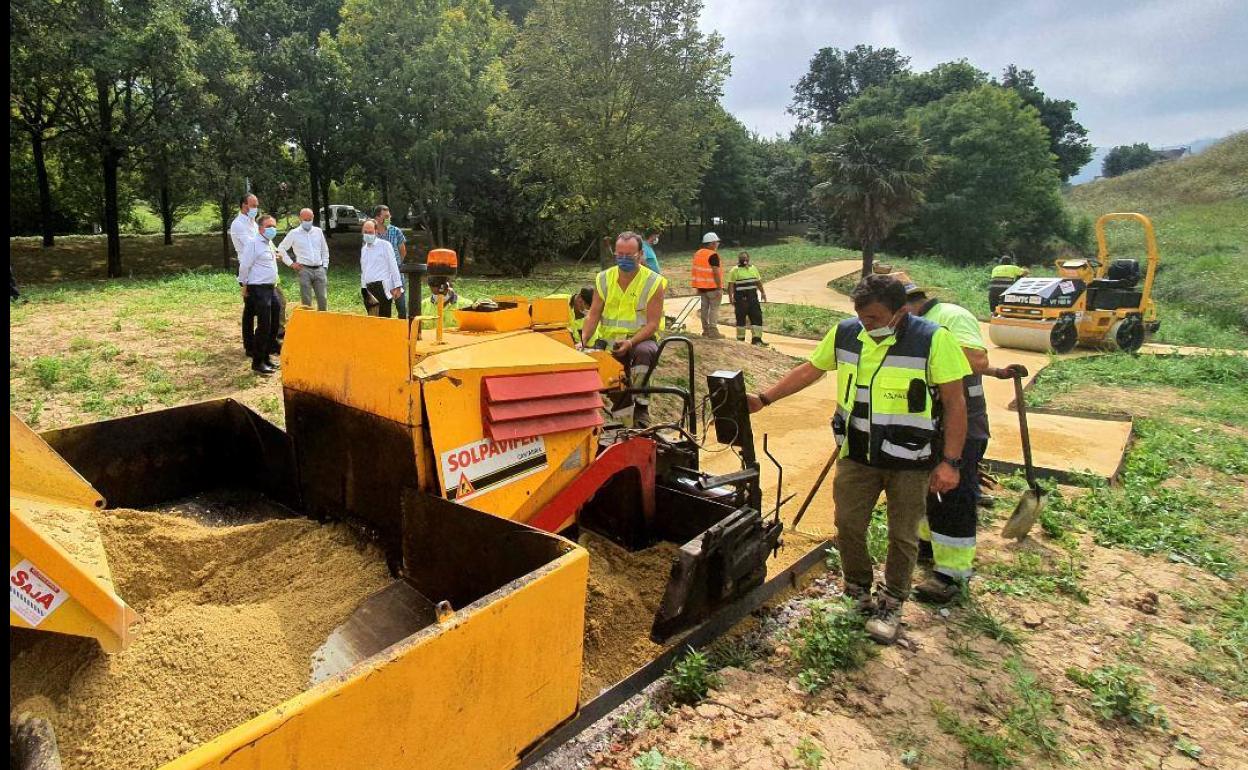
972	384
879	420
745	279
703	271
624	310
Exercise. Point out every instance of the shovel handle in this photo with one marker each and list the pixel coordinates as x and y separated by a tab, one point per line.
810	496
1020	403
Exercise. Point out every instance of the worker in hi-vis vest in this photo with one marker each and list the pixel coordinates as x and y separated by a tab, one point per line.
899	426
578	308
1004	274
625	316
708	282
947	535
745	287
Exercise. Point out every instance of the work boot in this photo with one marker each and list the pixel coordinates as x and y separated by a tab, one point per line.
273	363
938	589
926	557
263	369
884	626
861	596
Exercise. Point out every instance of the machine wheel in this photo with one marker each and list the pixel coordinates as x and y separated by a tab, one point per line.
1128	334
1064	335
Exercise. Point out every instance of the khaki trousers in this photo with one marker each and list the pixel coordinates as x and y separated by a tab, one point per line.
855	490
708	311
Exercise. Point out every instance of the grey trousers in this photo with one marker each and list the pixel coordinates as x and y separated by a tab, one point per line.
708	311
312	281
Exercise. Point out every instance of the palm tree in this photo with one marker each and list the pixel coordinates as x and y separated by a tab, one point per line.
872	178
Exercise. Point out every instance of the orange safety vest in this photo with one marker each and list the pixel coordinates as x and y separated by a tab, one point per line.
703	274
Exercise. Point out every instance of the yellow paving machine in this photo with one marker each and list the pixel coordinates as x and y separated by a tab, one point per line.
472	458
1096	303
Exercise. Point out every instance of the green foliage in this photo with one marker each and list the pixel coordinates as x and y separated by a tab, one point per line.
872	178
1188	748
1128	157
47	370
692	677
836	77
1118	694
800	320
1067	137
978	619
985	748
1029	575
644	717
732	653
828	640
729	184
1030	718
606	110
655	760
809	754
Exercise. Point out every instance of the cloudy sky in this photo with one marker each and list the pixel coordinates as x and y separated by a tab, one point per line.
1164	72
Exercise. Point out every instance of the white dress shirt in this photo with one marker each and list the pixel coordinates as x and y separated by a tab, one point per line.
258	262
377	263
310	247
242	230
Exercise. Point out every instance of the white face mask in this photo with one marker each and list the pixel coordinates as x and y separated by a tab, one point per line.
369	238
884	331
307	226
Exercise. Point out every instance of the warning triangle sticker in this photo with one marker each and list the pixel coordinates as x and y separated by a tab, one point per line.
465	487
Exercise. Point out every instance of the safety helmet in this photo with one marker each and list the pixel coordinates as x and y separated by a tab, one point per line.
1006	259
710	238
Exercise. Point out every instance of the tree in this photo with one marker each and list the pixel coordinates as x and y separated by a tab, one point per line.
835	77
38	91
423	117
1068	139
609	109
138	61
995	186
729	185
907	90
1128	157
872	177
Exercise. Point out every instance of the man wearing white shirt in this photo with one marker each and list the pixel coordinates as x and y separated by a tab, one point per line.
242	230
380	281
257	275
311	260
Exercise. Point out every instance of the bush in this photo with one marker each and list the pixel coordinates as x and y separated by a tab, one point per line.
1117	694
830	639
691	678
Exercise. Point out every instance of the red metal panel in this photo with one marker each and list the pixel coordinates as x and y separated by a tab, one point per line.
523	386
516	410
637	452
542	426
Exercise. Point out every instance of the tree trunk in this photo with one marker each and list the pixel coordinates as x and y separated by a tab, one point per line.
226	246
110	162
45	189
166	213
314	180
868	257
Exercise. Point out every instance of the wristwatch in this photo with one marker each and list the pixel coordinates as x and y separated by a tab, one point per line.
954	462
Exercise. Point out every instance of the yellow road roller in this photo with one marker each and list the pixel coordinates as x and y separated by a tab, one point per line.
1096	303
470	459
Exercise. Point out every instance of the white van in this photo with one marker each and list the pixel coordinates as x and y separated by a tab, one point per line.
340	218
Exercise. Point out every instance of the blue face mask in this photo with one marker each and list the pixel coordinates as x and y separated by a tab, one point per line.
627	264
270	232
307	226
369	238
253	213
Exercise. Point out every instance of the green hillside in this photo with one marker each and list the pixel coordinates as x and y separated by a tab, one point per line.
1199	206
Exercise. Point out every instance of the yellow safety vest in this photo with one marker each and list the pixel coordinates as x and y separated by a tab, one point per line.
624	310
1012	272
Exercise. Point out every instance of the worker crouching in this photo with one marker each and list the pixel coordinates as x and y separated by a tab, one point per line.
899	426
625	316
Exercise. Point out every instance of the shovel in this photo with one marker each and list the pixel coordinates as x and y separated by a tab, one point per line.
1032	501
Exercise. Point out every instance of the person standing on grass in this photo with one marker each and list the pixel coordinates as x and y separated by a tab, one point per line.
745	286
708	282
381	284
242	230
398	242
311	262
647	246
899	427
947	535
257	275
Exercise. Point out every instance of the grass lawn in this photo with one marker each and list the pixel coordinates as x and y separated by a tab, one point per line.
795	320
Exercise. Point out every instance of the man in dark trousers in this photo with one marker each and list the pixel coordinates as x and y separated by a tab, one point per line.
257	275
745	288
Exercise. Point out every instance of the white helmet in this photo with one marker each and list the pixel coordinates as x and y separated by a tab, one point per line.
710	238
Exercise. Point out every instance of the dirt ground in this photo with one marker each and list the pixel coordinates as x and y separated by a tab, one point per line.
883	716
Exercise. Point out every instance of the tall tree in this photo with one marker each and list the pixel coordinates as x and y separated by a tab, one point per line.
1128	157
995	188
908	90
729	187
835	77
872	178
609	107
40	77
138	59
1068	139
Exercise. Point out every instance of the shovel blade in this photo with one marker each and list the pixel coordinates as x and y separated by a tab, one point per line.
1025	515
385	618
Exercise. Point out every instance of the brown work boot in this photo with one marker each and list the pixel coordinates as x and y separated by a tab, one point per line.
938	589
884	626
861	596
